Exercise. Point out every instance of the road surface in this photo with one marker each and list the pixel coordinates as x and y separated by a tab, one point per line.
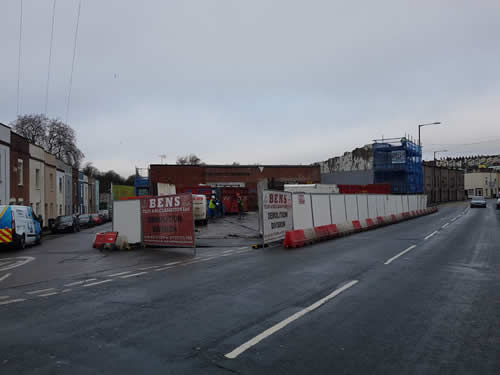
418	297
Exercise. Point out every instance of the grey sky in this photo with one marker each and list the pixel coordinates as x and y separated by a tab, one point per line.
258	81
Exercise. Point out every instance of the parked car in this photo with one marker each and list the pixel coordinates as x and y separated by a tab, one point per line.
498	204
66	224
18	226
96	219
84	221
478	202
104	215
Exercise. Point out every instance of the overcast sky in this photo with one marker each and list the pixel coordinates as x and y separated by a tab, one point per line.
257	81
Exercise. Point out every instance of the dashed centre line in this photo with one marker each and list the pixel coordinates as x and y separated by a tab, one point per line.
132	275
79	282
119	274
40	291
445	225
390	260
430	235
12	301
99	282
275	328
47	294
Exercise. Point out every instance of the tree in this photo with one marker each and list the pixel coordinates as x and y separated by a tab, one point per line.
53	135
190	159
130	180
32	127
90	170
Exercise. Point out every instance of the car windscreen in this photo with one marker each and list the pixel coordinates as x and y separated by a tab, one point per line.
84	217
65	219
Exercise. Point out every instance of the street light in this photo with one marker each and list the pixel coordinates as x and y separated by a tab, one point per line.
435	152
430	123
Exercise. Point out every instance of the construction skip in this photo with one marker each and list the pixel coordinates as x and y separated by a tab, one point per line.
276	214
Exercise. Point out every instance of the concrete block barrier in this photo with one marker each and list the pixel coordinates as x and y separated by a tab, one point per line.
301	237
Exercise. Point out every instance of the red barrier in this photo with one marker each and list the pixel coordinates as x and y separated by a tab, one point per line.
294	238
370	223
322	232
380	220
104	238
333	230
357	225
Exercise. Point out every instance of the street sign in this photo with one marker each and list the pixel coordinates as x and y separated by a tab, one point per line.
398	157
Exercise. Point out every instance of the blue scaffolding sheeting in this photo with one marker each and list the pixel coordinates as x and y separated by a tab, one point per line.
398	163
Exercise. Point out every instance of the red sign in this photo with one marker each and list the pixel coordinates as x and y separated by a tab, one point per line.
168	220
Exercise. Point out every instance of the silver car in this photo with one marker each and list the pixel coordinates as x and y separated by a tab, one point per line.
478	202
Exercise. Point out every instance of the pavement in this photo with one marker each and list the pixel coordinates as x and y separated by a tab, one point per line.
417	297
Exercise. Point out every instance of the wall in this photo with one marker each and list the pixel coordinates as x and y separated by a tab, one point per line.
348	178
250	175
482	183
37	188
4	164
75	204
50	211
443	184
68	188
19	150
96	196
359	159
60	184
91	192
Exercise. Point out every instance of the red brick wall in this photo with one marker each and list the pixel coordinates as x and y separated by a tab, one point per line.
191	175
19	149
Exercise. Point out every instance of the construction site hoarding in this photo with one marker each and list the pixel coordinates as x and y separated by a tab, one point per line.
277	216
168	220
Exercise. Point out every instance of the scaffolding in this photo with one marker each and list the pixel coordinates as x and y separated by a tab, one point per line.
398	162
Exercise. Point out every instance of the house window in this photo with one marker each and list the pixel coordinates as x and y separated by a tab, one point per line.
479	192
60	209
20	172
51	176
471	192
52	209
37	179
60	184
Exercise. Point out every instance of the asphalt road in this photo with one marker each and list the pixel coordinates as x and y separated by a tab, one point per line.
418	297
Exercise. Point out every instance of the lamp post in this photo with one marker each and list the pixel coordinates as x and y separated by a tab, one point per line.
435	167
419	126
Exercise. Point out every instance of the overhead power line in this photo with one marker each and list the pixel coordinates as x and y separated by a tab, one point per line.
465	144
50	57
19	61
73	61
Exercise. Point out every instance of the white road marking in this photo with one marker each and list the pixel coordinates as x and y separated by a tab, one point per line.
226	255
171	263
268	332
4	297
80	282
4	277
21	261
227	251
66	290
119	274
47	294
132	275
148	268
40	291
164	268
98	283
12	301
430	235
445	225
244	247
389	261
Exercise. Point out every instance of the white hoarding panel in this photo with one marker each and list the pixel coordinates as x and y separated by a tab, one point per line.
381	199
302	213
127	220
277	214
337	203
425	201
394	204
351	205
166	189
399	204
372	206
321	209
362	206
405	201
413	200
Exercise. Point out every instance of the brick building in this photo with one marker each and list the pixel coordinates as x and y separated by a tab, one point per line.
20	170
275	176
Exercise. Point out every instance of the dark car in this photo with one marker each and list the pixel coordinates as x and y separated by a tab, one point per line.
96	219
85	221
65	224
498	204
478	202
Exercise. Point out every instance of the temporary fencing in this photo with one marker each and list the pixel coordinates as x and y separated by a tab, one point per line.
319	216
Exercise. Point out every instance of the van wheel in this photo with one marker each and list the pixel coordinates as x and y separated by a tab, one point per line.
21	243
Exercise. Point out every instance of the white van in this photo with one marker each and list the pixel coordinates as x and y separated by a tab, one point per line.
18	226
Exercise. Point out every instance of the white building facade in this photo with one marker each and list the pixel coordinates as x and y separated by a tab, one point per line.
37	180
4	164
